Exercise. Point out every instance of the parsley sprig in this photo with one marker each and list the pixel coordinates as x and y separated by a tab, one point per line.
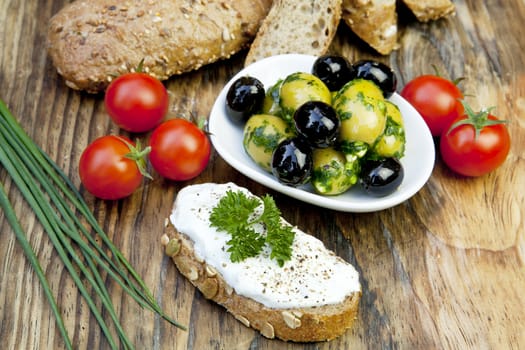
235	213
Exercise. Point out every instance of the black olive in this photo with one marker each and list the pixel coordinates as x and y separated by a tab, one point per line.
381	177
379	73
333	70
244	98
318	123
292	162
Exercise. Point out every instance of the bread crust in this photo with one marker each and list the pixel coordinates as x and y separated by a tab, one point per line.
428	10
299	325
304	27
91	42
375	22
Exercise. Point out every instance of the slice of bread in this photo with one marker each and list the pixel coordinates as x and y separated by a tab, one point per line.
374	21
305	27
428	10
313	297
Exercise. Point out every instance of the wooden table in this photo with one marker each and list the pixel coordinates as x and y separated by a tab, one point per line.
444	269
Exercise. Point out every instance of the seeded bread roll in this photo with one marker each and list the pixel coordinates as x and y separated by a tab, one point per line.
325	286
428	10
91	42
374	21
305	27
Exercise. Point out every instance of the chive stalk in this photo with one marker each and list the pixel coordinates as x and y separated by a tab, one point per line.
61	210
33	259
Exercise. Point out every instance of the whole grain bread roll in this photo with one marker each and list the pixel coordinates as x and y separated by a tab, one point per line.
305	27
91	42
323	289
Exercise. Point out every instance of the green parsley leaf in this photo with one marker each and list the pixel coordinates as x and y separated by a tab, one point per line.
235	214
233	210
245	243
279	236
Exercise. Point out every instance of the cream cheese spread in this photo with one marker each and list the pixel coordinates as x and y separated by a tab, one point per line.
314	276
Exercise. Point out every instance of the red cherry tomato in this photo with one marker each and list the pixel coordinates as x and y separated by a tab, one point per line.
475	144
106	172
136	102
436	99
179	149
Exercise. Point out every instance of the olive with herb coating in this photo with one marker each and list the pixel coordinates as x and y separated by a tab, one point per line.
318	123
333	70
356	88
271	100
292	162
379	73
392	142
330	174
244	98
362	119
262	134
299	88
381	177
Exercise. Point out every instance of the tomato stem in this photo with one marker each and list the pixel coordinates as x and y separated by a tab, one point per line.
478	120
202	123
438	74
138	154
140	67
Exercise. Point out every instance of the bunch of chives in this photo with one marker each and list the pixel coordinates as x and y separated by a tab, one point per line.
60	208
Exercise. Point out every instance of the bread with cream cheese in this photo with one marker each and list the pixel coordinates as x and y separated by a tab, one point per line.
304	27
318	322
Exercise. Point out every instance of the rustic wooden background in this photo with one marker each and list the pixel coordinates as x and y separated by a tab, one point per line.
445	269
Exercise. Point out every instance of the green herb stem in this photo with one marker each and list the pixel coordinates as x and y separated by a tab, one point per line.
47	168
71	230
63	183
137	290
35	198
31	256
65	216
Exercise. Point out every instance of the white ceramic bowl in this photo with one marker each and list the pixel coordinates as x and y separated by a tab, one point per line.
227	137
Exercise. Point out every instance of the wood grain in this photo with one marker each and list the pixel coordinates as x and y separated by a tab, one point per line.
444	269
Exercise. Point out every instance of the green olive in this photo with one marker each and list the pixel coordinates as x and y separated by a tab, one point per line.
393	112
330	175
357	88
363	119
392	142
299	88
262	134
271	100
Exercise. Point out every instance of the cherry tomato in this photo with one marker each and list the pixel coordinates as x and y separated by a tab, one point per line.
475	144
136	102
180	150
436	99
106	171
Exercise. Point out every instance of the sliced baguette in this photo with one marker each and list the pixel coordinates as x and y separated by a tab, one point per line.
306	27
374	21
428	10
300	324
90	42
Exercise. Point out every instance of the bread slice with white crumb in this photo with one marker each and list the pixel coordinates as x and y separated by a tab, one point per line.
304	27
313	297
374	21
428	10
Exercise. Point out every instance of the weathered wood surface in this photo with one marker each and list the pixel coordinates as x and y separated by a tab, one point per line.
445	269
